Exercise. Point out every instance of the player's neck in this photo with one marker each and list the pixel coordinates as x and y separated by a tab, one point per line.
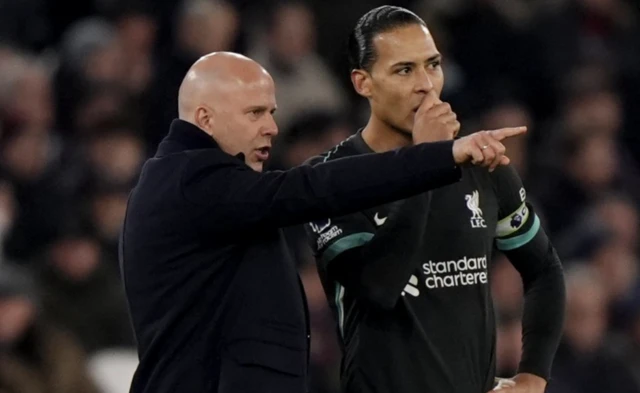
380	137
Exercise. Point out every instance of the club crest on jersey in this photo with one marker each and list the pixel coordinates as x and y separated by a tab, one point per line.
320	225
473	204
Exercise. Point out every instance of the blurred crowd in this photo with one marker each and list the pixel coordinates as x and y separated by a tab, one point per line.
88	89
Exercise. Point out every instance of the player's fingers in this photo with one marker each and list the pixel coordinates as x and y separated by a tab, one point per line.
455	127
504	381
432	98
508	132
505	160
448	117
429	101
424	107
440	109
504	384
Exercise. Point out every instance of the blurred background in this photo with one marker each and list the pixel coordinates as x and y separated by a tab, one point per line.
88	89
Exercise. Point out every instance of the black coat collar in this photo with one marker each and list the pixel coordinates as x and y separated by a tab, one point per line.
185	136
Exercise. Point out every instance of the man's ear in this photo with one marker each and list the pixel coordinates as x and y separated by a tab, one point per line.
204	119
361	80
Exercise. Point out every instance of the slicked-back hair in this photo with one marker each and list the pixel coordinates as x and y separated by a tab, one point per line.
361	50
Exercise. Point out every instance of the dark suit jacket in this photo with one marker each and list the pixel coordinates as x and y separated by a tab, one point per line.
207	275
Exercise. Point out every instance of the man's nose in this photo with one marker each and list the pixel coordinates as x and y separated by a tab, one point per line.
424	84
271	131
271	128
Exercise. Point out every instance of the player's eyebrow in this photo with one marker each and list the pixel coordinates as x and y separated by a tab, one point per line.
431	59
434	58
404	64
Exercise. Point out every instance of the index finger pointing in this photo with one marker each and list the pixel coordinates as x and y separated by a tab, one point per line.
507	132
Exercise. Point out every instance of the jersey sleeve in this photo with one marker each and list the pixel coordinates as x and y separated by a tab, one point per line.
372	258
518	223
331	237
521	238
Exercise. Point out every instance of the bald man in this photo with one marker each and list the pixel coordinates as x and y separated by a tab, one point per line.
214	296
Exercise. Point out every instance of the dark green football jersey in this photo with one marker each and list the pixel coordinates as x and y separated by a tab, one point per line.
409	282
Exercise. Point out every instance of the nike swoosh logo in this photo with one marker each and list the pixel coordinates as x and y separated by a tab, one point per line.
379	221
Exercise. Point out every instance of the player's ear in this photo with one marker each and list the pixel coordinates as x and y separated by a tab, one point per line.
361	82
